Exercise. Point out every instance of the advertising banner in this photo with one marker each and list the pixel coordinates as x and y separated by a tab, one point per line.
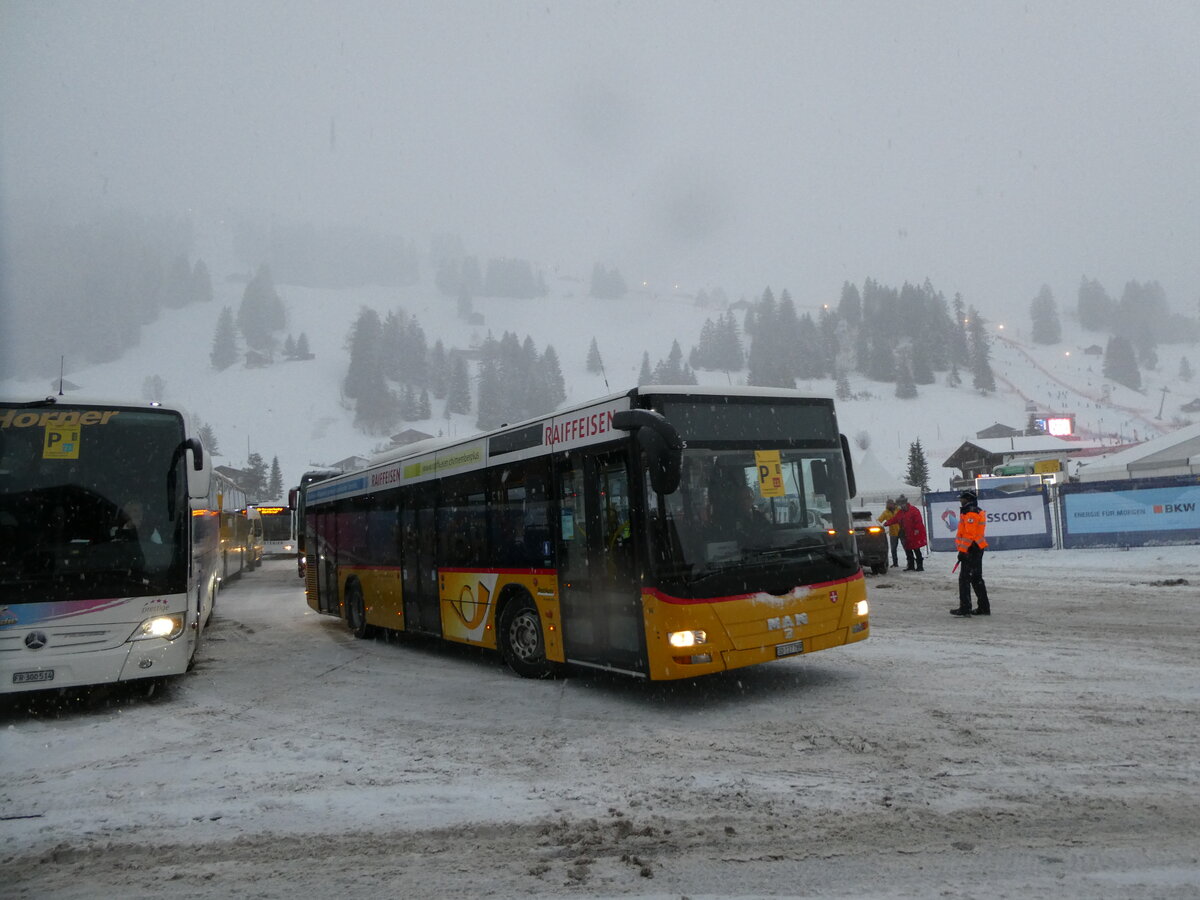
1131	513
1015	521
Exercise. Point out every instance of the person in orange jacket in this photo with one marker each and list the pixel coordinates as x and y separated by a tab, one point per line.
971	542
888	518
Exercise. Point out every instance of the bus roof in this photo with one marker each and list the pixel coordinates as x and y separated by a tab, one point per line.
567	427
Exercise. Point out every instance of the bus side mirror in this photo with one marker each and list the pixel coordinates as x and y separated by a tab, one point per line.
660	440
293	494
199	469
849	467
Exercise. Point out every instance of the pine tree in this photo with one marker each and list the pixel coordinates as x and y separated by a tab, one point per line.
1095	308
439	370
960	351
1185	369
376	407
365	366
918	467
289	347
275	482
556	388
922	372
1046	327
594	364
261	312
953	379
906	388
255	480
850	305
644	376
842	390
410	410
1120	362
771	357
424	407
208	440
488	406
224	347
302	351
458	392
730	356
982	377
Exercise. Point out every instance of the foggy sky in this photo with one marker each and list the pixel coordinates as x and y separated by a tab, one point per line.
991	147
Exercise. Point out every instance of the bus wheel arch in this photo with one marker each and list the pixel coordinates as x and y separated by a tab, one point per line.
520	636
356	610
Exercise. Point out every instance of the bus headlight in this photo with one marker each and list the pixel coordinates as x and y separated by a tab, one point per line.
686	638
861	607
166	627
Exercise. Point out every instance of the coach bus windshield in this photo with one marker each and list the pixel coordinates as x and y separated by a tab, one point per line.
762	500
103	518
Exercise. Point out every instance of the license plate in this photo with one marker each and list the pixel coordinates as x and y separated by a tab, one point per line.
33	677
789	649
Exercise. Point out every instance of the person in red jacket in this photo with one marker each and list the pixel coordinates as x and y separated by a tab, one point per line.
972	524
912	534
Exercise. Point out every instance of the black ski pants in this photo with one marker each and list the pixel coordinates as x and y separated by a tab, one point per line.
970	576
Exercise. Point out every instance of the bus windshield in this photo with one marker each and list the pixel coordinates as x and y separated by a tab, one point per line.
103	518
718	531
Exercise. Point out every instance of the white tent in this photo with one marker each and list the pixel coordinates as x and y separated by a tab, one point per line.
1177	453
875	483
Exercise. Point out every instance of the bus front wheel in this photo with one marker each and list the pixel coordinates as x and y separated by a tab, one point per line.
521	642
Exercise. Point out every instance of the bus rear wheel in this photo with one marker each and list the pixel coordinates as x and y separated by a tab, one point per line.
356	612
521	643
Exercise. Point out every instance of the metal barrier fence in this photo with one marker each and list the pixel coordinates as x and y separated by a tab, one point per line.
1127	513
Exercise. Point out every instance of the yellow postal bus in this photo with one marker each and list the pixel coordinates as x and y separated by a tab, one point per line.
666	532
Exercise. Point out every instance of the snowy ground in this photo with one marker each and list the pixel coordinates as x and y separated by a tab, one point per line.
1050	749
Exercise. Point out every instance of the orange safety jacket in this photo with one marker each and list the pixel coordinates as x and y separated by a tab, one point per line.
971	526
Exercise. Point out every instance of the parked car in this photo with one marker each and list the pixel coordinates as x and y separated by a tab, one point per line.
872	540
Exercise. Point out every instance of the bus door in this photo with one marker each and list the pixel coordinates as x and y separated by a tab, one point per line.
322	561
598	582
419	566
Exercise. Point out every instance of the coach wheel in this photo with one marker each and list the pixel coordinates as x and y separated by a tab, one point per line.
521	642
356	612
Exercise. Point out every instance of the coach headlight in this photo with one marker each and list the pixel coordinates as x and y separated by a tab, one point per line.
861	607
166	627
686	638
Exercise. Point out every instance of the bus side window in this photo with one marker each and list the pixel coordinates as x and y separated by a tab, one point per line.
614	522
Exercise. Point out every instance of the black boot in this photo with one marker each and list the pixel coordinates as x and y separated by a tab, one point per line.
965	613
982	606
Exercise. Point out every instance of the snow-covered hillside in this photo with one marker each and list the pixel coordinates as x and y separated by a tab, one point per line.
293	410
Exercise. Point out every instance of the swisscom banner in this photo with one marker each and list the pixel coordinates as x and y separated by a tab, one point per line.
1015	521
1130	513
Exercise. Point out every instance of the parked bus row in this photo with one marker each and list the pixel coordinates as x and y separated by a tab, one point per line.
662	533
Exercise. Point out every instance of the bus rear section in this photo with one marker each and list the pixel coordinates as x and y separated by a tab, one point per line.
278	530
665	533
106	571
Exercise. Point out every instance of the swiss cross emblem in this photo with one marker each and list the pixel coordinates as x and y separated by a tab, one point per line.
833	598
